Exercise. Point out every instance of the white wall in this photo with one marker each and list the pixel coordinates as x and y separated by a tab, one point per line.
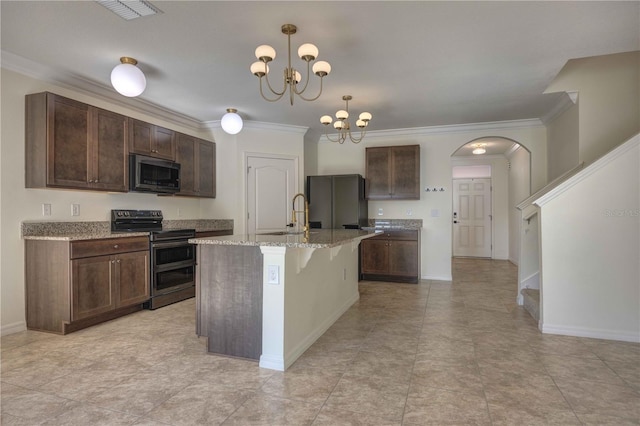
519	190
608	89
590	232
563	142
20	204
436	147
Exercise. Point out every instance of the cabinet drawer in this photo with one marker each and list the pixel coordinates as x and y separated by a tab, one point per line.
88	248
408	235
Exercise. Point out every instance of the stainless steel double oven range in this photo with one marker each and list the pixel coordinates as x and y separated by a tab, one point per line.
172	259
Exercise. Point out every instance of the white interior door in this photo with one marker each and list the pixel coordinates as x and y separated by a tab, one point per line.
271	185
472	217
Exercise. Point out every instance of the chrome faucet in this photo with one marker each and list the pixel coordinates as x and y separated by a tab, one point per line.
306	212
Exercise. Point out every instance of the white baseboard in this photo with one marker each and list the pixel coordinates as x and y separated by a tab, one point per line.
593	333
271	362
16	327
437	277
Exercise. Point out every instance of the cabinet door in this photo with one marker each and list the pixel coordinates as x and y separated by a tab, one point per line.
206	169
68	147
186	157
132	278
405	172
164	144
403	258
91	287
109	151
140	135
375	256
378	173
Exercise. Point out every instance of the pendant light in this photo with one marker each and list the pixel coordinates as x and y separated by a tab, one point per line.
127	78
231	122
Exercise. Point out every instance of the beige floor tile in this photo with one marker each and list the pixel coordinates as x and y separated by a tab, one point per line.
382	364
602	399
533	392
508	416
333	417
86	414
580	369
591	419
429	406
36	407
452	374
267	410
201	403
373	396
309	386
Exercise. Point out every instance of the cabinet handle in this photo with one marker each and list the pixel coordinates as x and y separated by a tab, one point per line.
95	181
113	261
90	181
118	261
115	246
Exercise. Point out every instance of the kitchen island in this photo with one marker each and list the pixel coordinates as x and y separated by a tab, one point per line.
268	297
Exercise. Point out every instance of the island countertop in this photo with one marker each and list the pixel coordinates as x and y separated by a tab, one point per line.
317	238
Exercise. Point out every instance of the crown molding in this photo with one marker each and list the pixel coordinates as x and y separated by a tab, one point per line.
259	125
21	65
451	128
563	104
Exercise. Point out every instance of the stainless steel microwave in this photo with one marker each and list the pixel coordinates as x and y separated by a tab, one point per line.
147	174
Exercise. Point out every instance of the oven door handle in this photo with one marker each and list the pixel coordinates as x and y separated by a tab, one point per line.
169	244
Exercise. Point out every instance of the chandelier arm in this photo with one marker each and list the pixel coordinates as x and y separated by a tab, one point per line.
306	83
278	97
356	139
317	96
326	134
279	94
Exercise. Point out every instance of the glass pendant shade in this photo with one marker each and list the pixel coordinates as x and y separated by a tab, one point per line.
231	122
265	53
342	114
308	52
365	116
258	69
321	68
127	78
326	119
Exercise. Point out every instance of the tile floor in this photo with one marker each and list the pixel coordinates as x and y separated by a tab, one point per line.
433	353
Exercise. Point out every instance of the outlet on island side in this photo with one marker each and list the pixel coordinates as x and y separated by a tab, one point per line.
273	274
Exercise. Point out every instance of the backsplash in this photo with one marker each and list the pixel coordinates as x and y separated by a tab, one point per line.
395	223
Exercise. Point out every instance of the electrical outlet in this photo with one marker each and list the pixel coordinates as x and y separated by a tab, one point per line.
409	212
75	209
380	212
344	274
273	274
179	212
46	209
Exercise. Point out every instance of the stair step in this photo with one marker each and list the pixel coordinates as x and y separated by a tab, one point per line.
531	299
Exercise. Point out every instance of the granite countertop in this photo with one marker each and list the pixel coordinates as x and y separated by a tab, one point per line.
317	238
74	231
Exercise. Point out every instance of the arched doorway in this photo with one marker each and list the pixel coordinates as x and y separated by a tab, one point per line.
505	168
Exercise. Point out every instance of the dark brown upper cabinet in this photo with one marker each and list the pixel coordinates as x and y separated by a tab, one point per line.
70	144
393	173
197	159
151	140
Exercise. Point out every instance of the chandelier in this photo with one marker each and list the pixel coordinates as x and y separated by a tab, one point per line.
342	123
292	78
479	148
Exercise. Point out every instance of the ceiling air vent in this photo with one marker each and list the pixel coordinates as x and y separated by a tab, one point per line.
130	9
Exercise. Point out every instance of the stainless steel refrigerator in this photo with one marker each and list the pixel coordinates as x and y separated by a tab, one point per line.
337	201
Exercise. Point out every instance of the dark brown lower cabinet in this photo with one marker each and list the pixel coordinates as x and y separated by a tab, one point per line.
391	256
75	284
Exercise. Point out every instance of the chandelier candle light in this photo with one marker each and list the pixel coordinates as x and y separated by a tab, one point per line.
342	123
292	78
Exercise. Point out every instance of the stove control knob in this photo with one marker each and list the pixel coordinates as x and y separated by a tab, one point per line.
119	214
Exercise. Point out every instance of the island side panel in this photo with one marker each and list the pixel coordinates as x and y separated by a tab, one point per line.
230	299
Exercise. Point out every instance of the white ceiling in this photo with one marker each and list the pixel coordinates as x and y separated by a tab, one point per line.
411	64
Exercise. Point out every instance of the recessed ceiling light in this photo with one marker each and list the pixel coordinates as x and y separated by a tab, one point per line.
130	9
